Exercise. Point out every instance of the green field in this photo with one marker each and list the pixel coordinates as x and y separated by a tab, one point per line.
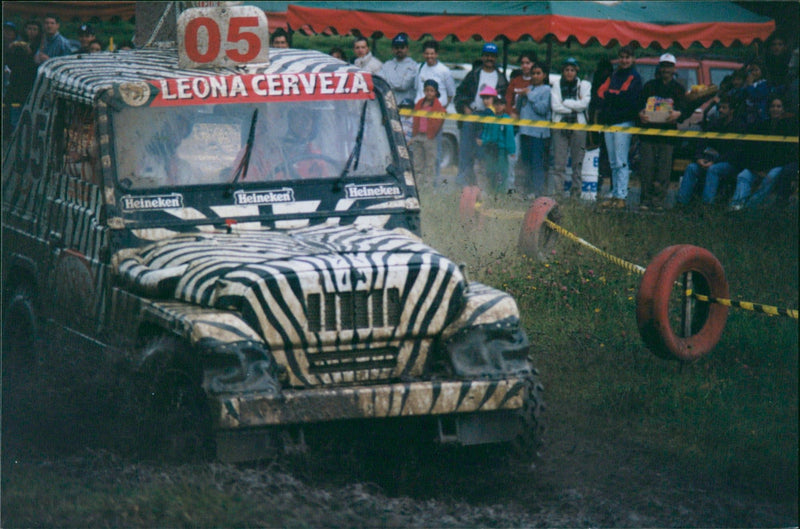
733	412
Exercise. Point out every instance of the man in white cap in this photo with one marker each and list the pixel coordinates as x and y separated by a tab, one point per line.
666	94
401	71
468	101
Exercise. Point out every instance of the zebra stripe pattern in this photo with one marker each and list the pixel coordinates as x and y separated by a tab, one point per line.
336	304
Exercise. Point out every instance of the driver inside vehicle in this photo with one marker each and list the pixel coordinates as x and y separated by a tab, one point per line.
295	155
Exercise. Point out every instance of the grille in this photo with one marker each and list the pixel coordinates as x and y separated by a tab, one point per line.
341	361
362	309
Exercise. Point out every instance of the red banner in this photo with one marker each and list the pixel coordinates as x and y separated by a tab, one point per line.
262	87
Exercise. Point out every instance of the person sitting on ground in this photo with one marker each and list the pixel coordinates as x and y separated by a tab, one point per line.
767	159
717	159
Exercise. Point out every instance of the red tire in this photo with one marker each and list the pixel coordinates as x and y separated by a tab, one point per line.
653	303
645	305
535	238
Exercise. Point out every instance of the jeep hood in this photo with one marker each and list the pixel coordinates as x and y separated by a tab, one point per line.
306	288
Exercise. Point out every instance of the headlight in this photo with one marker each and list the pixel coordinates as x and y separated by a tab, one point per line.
499	348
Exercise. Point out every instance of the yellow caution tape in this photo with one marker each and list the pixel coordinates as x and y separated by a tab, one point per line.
756	307
599	128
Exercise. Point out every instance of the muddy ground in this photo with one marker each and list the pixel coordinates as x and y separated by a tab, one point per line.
592	474
593	471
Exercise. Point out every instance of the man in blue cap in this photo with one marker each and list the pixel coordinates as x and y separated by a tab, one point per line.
468	101
401	71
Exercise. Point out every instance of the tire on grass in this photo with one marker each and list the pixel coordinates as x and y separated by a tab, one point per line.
653	303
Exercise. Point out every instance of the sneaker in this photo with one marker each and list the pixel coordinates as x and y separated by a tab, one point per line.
618	203
644	207
735	207
607	203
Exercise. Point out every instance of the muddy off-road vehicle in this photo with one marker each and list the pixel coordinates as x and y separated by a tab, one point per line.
248	236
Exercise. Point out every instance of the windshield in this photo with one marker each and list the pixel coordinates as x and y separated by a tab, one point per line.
207	144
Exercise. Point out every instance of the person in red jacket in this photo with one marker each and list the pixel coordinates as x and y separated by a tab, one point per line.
424	131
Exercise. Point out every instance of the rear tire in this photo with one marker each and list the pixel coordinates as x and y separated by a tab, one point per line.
18	366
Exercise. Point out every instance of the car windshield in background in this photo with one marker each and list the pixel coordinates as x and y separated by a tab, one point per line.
208	144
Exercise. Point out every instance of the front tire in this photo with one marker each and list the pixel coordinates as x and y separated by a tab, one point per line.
175	417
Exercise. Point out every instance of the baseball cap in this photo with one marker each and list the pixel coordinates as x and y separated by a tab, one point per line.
667	57
400	40
570	61
488	91
434	84
489	47
86	29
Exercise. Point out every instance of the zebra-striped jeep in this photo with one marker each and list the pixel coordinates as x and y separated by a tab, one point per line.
249	236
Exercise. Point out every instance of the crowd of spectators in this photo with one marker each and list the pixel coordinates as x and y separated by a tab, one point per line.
38	41
761	98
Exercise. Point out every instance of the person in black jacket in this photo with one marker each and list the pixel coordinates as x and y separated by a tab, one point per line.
769	160
619	96
656	152
468	102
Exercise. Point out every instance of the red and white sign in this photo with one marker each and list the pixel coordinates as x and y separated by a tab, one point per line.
253	88
222	36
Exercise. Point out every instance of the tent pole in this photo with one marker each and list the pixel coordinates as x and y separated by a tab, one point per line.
506	42
549	40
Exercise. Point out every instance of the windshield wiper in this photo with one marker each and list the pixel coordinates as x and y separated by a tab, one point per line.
244	164
356	152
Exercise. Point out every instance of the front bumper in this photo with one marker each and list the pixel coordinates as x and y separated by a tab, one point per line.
232	411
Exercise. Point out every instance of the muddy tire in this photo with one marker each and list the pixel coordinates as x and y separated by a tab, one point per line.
175	421
527	445
19	366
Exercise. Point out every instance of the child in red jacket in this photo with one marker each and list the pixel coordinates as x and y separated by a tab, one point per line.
424	131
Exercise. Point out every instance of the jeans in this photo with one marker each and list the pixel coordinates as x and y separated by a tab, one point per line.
744	183
618	145
532	152
691	176
572	143
467	150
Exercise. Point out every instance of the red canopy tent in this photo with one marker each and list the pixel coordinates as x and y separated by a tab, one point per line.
663	23
276	11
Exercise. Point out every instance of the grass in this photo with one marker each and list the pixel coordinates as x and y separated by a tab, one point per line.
733	413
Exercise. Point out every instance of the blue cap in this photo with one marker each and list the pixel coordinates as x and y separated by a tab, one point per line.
571	61
400	40
489	47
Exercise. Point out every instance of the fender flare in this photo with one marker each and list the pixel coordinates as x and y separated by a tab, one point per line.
654	296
